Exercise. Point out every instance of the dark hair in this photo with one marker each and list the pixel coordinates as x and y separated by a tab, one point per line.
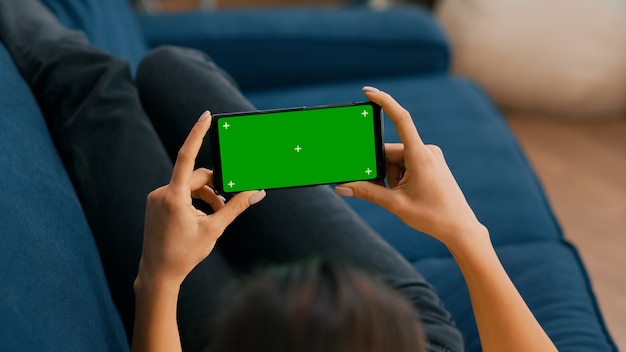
318	305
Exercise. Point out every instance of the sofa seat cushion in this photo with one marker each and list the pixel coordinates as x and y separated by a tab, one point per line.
479	146
53	293
552	280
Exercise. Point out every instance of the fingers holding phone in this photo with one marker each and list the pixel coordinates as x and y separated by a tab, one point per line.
297	147
422	191
394	154
177	236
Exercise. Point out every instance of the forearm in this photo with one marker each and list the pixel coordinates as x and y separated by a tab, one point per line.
424	194
156	327
505	323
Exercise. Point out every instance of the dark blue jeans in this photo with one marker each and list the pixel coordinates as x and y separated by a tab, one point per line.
117	138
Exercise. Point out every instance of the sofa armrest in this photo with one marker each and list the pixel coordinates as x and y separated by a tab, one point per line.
284	47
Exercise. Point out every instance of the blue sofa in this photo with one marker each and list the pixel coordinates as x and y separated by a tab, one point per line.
53	291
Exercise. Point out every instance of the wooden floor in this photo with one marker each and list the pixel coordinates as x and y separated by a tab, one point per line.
582	165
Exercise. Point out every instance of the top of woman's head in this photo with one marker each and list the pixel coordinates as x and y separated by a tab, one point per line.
316	306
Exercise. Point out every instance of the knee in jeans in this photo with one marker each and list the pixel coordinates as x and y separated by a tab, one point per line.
167	56
156	58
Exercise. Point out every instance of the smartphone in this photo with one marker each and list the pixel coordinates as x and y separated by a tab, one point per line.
297	147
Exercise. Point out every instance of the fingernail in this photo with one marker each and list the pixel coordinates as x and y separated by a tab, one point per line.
369	89
205	115
257	197
344	191
222	198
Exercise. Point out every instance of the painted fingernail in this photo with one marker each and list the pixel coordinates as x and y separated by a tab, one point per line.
370	89
257	197
344	191
205	115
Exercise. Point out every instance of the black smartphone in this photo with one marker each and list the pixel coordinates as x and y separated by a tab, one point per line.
296	147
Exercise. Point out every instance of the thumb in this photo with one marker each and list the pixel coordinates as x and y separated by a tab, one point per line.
236	206
368	191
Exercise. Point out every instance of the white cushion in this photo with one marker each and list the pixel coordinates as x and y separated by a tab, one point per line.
548	56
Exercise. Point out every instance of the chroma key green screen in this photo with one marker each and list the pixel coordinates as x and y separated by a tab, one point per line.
298	147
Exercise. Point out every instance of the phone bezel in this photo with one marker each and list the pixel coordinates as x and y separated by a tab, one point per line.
378	140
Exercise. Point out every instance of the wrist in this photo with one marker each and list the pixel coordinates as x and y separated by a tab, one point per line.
156	304
474	239
153	284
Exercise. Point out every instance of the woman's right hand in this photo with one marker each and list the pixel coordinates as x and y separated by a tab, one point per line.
424	194
422	191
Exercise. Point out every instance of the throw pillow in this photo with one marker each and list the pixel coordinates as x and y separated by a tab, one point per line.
559	56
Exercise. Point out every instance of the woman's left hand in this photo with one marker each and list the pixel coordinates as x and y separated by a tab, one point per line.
177	235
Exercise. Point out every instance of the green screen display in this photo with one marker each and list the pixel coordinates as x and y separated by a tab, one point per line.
298	147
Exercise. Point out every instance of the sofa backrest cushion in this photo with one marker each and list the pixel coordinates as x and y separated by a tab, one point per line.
109	25
288	47
53	293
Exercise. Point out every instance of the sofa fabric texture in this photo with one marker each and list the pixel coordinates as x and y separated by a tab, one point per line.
53	295
109	25
312	46
53	287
